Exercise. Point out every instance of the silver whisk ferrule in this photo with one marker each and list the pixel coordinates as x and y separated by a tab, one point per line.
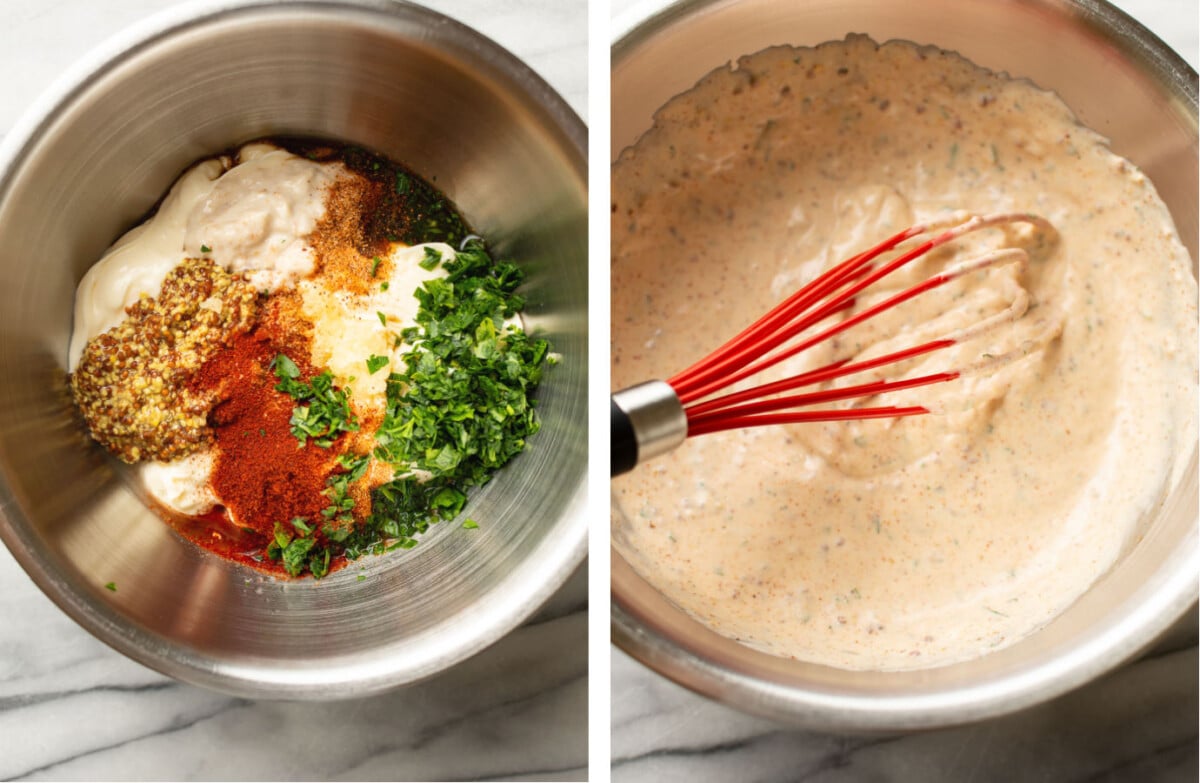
647	420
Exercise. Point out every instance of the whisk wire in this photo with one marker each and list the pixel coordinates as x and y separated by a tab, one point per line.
736	352
804	417
654	417
869	389
768	341
829	372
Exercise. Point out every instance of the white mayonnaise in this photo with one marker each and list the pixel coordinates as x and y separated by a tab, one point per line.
347	327
180	485
253	217
257	217
139	261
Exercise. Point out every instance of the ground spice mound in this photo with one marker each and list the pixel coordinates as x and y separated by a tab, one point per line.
133	382
261	472
347	259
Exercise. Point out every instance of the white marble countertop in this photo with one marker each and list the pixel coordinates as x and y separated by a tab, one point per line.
1139	723
73	709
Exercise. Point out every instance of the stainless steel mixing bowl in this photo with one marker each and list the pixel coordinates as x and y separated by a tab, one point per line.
1121	81
97	152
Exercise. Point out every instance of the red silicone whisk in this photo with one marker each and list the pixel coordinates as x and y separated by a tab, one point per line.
655	417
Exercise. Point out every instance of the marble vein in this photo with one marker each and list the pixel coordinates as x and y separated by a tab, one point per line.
517	710
33	699
1137	723
177	724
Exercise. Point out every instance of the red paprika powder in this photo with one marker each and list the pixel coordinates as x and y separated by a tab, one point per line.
261	472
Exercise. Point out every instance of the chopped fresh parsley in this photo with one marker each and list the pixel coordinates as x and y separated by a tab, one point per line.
111	586
339	514
383	286
382	317
459	408
375	262
324	412
432	258
295	554
285	367
205	249
403	183
299	551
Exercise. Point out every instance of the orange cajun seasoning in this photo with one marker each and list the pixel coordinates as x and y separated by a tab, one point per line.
261	472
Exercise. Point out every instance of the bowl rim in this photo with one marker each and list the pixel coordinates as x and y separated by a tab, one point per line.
651	643
341	678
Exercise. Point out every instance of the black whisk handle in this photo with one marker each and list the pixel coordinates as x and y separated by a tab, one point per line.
623	441
647	420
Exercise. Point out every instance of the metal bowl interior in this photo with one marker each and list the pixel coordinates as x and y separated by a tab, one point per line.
1119	80
96	154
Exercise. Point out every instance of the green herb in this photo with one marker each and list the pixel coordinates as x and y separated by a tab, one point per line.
324	412
375	262
461	408
432	258
383	286
339	513
301	552
295	554
205	249
285	367
112	586
382	317
318	562
403	183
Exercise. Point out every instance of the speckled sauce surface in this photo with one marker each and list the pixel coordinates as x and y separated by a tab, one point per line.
899	543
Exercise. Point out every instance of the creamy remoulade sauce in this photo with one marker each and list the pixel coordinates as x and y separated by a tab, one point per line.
896	544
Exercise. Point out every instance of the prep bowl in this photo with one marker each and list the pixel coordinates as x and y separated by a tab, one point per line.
87	163
1121	81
